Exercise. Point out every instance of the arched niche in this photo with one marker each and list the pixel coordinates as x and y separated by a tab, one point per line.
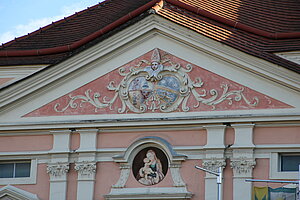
140	146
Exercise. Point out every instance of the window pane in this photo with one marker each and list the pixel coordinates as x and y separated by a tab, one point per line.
22	170
6	170
290	163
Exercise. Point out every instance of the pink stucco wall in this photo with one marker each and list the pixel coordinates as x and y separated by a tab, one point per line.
26	143
41	188
74	141
276	135
193	178
174	137
229	136
107	175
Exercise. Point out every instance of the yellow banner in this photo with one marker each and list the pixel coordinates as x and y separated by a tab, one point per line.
260	193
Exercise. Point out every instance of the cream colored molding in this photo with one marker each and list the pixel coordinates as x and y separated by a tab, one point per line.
175	172
18	72
11	192
85	169
125	160
243	135
132	34
215	136
293	56
155	120
213	164
242	167
58	180
125	171
146	193
24	180
57	170
275	173
88	140
61	141
86	179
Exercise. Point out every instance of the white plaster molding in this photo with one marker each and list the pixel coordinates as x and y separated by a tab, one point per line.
85	169
86	179
125	171
242	167
88	140
125	160
275	173
174	193
215	136
61	141
23	180
243	135
213	164
175	172
293	56
17	194
56	170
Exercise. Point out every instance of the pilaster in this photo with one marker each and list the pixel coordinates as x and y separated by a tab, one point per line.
214	157
59	165
86	165
242	161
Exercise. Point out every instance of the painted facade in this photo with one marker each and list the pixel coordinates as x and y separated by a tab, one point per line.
130	117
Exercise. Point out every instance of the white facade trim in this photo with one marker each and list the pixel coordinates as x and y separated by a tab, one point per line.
275	172
176	193
24	180
16	193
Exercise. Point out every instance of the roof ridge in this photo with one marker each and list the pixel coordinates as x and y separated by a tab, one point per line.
54	23
76	44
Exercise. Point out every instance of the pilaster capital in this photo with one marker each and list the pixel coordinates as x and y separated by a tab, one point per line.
57	169
242	167
213	164
85	168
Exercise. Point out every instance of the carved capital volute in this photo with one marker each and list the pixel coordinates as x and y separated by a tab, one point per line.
85	168
57	169
213	164
243	166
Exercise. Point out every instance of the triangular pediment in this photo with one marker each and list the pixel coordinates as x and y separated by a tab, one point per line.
151	72
158	82
13	193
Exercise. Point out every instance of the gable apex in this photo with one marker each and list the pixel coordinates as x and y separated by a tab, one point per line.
157	82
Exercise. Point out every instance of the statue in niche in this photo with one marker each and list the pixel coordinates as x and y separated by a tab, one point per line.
148	167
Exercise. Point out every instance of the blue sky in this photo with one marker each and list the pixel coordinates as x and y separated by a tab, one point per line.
19	17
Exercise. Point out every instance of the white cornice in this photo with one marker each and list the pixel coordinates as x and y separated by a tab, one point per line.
293	56
45	81
149	26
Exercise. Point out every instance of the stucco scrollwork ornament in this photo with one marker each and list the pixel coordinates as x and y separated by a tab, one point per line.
159	84
58	169
85	168
125	171
242	165
213	164
175	172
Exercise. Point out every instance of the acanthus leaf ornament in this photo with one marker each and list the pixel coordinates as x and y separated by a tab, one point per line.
159	85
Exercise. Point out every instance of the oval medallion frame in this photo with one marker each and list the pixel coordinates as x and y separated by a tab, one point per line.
150	166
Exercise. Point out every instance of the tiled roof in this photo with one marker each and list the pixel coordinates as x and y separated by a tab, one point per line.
256	27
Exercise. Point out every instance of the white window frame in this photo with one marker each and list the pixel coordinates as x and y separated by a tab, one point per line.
22	180
275	171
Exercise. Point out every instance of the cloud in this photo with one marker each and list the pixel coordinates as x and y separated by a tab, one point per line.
35	24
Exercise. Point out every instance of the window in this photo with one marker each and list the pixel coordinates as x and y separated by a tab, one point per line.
284	165
18	171
289	162
15	169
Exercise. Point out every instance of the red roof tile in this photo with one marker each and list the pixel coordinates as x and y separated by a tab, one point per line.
256	27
